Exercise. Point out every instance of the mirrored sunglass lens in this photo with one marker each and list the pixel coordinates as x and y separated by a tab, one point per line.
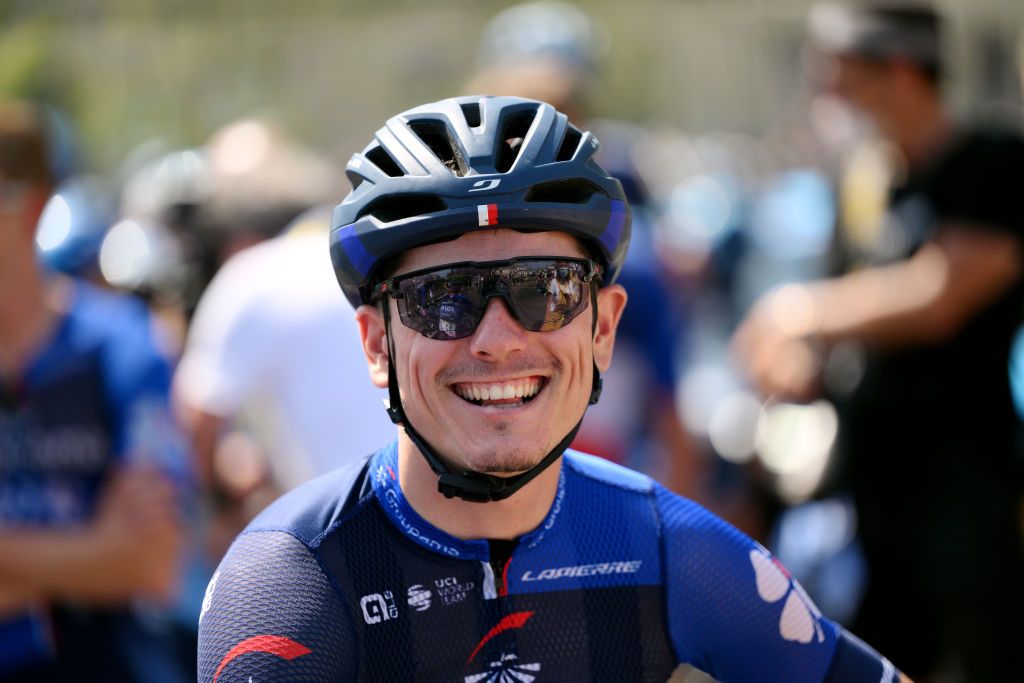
440	305
543	294
559	297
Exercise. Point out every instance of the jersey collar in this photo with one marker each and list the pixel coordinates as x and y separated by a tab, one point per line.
384	475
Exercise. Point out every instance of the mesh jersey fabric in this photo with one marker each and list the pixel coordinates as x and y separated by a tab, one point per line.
341	580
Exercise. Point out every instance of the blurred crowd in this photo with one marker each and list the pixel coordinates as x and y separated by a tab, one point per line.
821	345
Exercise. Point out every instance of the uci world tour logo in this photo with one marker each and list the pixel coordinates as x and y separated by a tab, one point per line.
800	620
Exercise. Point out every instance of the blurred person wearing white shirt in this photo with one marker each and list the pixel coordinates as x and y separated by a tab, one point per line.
272	343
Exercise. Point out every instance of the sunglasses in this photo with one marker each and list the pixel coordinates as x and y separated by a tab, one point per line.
544	293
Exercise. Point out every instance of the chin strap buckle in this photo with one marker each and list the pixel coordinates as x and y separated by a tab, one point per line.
470	486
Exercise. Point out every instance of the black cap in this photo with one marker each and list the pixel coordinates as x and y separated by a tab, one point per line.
879	31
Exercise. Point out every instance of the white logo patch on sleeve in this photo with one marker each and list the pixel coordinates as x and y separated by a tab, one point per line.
800	619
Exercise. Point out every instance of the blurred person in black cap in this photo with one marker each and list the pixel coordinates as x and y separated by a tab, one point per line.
912	343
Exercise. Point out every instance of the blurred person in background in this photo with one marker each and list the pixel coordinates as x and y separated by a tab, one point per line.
92	466
912	343
551	51
272	373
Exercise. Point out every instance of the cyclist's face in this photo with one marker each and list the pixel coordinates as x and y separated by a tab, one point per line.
548	375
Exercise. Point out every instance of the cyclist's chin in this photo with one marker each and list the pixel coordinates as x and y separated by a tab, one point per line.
504	459
500	439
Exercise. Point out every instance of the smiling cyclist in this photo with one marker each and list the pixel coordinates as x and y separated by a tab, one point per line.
477	547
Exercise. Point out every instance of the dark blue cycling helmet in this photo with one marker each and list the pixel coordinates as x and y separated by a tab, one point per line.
474	163
441	170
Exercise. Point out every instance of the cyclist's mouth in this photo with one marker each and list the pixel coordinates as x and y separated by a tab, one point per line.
507	393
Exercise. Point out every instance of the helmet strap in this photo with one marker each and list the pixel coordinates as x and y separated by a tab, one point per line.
475	487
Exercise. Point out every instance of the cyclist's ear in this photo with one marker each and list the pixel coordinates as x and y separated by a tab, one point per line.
611	301
372	335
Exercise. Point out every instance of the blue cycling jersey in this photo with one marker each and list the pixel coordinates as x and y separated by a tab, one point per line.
341	580
95	397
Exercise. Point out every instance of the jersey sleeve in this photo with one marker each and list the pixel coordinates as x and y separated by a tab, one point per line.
271	614
735	613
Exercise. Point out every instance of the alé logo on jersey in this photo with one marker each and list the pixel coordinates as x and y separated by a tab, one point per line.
378	607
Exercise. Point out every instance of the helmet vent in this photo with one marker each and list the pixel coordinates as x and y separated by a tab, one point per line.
397	207
355	178
382	160
472	113
513	132
436	136
570	143
572	191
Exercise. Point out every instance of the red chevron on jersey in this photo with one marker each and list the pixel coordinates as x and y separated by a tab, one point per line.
285	648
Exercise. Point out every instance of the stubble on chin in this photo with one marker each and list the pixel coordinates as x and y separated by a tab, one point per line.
508	460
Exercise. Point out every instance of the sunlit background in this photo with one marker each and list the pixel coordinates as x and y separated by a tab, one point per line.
132	71
716	93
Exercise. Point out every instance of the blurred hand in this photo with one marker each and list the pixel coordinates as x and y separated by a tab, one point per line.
775	349
137	533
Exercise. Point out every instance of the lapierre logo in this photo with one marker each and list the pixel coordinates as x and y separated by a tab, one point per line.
378	607
481	185
603	568
451	591
419	598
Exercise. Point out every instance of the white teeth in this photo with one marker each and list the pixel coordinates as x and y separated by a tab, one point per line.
494	392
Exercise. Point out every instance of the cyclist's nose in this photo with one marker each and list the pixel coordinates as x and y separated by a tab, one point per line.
499	333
